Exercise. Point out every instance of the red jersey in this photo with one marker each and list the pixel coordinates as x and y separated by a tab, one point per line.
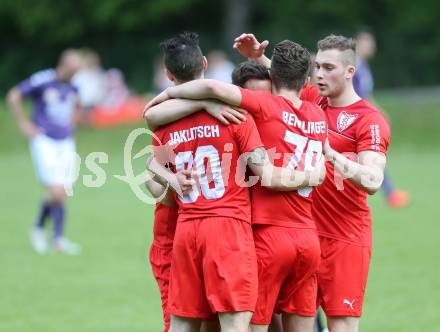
340	207
310	93
297	135
165	219
213	150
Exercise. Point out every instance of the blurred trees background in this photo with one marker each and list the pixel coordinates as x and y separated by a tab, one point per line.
126	33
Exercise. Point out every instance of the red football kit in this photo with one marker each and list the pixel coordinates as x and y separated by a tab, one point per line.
341	212
165	220
284	232
214	266
310	93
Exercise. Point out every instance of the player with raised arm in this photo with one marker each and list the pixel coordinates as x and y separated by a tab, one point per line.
217	205
286	239
166	211
356	152
50	132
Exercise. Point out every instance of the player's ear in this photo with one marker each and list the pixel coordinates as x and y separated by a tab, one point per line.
349	72
205	63
169	75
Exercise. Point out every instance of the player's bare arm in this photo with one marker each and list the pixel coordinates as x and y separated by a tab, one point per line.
175	109
179	182
207	89
249	47
159	191
367	173
170	111
14	99
282	178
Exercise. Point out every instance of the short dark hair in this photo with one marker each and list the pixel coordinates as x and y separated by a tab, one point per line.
248	70
341	43
290	65
183	56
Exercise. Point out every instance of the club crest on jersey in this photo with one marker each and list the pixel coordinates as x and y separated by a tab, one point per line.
345	120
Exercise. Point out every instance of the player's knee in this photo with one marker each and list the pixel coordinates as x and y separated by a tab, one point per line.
210	326
343	324
57	195
235	321
263	328
276	325
181	324
292	322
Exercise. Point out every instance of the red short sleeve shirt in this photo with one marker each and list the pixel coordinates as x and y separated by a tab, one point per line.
212	150
294	138
340	207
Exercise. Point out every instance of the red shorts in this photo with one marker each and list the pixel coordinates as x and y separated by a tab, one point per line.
214	268
288	262
342	277
160	260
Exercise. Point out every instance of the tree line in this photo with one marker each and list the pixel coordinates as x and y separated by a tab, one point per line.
126	33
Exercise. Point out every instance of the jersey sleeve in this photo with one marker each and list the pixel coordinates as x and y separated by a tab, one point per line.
26	88
33	84
247	136
253	102
373	133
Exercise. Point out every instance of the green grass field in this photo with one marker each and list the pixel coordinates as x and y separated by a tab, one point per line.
110	287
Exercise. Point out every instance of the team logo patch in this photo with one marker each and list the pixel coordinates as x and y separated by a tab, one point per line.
345	120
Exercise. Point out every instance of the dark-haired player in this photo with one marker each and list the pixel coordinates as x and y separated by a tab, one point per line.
285	237
220	269
255	76
165	215
252	76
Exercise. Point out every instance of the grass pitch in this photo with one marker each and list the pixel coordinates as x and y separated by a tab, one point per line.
110	287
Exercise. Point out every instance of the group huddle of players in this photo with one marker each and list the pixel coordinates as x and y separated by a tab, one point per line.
274	174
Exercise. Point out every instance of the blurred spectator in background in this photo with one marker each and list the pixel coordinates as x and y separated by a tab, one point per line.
90	81
219	66
104	96
160	79
50	133
363	79
116	91
363	83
